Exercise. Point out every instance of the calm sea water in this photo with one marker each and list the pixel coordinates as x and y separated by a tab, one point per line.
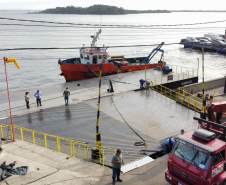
40	67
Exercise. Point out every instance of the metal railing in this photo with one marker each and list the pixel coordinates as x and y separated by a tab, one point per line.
180	73
68	146
180	96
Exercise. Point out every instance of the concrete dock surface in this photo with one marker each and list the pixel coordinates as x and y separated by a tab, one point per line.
47	167
126	116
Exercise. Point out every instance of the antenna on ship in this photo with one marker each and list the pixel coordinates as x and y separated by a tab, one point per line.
95	37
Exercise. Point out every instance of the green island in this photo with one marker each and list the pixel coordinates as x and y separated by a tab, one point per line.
97	10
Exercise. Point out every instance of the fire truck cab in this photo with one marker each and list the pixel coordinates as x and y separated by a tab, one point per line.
198	157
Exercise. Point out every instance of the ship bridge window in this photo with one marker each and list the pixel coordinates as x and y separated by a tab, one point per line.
81	55
86	57
100	56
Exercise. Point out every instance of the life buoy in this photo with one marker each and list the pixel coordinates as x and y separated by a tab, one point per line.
104	61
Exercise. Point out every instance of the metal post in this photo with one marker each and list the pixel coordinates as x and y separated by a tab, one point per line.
33	135
45	141
71	148
87	152
98	138
145	74
203	114
195	104
2	131
198	67
13	138
22	134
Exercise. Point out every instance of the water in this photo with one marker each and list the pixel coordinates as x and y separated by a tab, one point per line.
40	67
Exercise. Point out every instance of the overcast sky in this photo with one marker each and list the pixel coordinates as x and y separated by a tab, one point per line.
126	4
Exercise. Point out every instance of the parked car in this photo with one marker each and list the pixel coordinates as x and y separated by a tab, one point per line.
219	43
205	42
191	39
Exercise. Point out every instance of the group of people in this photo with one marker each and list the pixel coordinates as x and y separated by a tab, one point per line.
143	82
38	96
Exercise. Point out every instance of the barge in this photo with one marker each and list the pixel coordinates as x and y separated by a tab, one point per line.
210	42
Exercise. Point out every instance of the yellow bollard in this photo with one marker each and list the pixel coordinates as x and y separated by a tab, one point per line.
71	147
103	158
33	133
145	73
188	101
45	141
87	148
2	132
22	135
195	104
58	144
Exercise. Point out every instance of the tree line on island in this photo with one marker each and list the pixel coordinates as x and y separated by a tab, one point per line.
97	9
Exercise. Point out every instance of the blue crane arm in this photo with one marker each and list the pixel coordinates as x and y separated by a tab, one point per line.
152	54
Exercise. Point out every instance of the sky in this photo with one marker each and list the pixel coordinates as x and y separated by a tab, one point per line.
126	4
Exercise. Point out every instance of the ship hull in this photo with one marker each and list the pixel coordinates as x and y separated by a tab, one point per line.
74	72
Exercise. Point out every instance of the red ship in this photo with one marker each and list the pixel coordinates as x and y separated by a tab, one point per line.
88	65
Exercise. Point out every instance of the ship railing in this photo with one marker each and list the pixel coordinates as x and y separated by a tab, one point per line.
180	96
71	147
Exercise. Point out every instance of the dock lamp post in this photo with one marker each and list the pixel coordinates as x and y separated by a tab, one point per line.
9	60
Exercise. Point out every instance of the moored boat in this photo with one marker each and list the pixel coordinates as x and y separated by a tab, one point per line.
88	64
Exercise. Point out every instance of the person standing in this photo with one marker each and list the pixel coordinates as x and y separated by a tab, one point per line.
38	96
27	99
117	162
66	95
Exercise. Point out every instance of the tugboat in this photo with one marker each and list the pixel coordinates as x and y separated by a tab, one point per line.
88	65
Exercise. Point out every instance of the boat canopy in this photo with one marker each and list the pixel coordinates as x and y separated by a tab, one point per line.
115	55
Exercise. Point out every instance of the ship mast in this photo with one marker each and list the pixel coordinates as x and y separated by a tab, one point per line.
95	38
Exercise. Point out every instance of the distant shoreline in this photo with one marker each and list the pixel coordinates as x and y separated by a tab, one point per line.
96	10
144	11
